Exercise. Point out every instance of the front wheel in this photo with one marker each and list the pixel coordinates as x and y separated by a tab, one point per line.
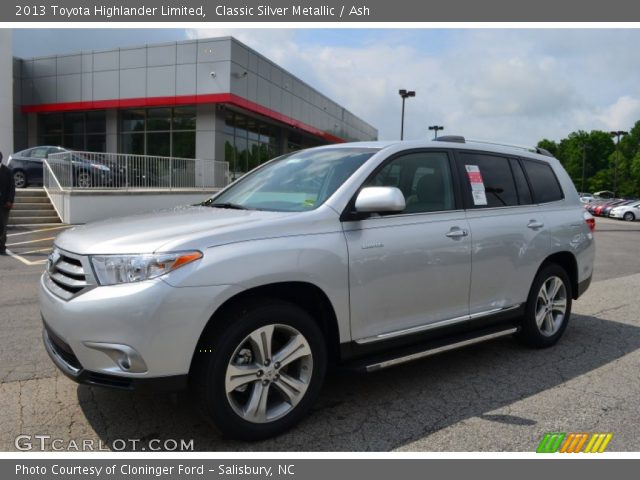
260	370
629	216
548	308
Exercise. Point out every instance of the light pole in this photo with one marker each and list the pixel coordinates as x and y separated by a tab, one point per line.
435	129
404	94
617	134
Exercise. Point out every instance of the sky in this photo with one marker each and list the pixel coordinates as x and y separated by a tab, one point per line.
506	85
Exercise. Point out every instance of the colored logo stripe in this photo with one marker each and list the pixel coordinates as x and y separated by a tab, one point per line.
574	442
550	442
598	442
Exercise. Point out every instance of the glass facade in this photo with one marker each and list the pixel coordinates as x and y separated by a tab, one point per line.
248	142
74	130
171	132
165	131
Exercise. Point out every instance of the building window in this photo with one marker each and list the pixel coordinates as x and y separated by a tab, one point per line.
163	132
248	142
74	130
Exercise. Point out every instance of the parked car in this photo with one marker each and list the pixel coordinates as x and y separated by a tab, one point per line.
628	212
605	194
586	197
28	168
607	209
365	255
27	164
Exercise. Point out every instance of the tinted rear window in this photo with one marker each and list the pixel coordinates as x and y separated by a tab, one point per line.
543	181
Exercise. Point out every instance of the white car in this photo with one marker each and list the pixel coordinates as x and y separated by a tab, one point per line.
628	212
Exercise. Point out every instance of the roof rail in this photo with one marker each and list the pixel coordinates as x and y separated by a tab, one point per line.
538	150
450	138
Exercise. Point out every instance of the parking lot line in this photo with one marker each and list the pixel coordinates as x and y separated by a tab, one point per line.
38	231
39	250
30	241
24	260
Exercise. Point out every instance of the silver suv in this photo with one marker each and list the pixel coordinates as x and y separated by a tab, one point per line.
361	255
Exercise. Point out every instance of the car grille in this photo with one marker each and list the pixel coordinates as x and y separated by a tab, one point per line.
66	276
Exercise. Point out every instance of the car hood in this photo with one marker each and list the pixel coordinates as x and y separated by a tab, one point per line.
195	227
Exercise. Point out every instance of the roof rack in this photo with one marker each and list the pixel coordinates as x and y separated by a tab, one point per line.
461	139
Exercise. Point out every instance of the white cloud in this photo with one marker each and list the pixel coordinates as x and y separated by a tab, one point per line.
506	85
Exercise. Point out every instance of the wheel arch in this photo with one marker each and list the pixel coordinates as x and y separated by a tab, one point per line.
568	262
305	295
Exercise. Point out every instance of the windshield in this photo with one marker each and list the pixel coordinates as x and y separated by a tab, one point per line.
297	182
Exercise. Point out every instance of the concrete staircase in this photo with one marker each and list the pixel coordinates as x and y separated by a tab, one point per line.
32	207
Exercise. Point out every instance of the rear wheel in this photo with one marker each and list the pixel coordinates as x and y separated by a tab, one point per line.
548	308
260	370
20	179
629	216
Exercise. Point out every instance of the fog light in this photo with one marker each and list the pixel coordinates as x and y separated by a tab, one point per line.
124	356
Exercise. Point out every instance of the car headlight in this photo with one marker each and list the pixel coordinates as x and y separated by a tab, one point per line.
115	269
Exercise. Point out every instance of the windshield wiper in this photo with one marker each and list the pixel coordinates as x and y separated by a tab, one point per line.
233	206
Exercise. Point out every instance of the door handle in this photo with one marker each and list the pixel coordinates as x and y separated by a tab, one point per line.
533	224
457	233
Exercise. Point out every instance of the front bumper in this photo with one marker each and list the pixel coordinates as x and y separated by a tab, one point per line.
68	364
157	323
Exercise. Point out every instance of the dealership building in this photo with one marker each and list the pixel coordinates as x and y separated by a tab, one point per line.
210	99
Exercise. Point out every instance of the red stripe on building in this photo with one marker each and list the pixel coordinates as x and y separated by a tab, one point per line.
226	98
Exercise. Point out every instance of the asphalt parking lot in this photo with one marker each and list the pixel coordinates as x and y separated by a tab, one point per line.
496	396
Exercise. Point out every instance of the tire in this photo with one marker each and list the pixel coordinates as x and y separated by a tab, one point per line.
20	179
234	345
540	330
629	216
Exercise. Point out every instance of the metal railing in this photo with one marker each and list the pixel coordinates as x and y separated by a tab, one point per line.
121	171
54	190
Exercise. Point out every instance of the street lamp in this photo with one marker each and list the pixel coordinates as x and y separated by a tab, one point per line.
404	94
435	129
617	134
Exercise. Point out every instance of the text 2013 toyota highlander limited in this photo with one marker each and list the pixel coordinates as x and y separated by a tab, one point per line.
365	254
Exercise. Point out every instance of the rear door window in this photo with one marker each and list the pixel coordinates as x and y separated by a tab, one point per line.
544	183
488	180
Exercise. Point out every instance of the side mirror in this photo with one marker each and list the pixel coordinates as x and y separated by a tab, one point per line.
380	199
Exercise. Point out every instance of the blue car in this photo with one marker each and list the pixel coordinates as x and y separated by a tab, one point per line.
27	165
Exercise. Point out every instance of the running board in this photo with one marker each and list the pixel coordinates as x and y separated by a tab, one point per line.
433	348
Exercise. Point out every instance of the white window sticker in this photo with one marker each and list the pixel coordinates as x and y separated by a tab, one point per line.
479	197
477	185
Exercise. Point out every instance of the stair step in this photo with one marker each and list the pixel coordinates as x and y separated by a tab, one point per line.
34	220
30	192
25	199
33	213
32	206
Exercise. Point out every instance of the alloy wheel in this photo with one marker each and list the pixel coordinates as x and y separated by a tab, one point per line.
269	373
20	179
551	306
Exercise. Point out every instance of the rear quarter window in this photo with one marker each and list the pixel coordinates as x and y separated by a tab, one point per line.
543	181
